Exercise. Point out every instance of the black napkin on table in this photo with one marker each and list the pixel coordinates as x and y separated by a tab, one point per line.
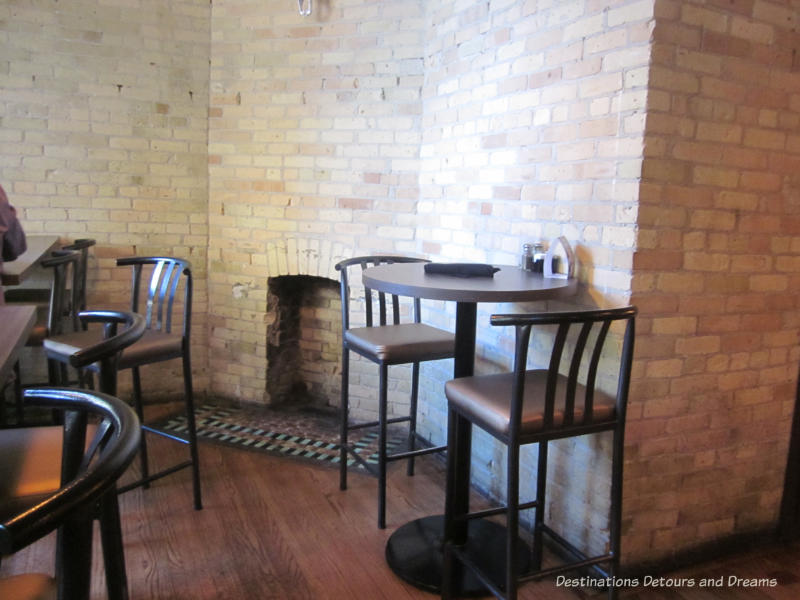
461	269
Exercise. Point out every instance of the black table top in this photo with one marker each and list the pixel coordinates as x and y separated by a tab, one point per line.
509	284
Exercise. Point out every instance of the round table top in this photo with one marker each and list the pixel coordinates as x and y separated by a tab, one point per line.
509	284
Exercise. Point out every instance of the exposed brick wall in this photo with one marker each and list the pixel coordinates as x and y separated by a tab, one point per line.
660	137
716	275
314	134
103	134
532	128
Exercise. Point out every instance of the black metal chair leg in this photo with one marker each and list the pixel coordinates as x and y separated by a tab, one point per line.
456	501
63	374
344	408
85	379
447	572
190	420
538	522
73	563
412	413
383	398
615	518
512	523
53	373
18	401
113	550
137	400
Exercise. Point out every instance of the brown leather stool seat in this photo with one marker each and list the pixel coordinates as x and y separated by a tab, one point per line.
403	343
486	401
29	586
31	467
30	473
385	340
537	406
154	346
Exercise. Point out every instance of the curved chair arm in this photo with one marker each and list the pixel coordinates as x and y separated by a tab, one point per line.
80	244
376	259
114	343
83	490
551	318
148	260
59	257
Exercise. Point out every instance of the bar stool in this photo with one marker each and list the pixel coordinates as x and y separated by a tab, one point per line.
55	314
51	477
167	285
32	459
535	406
385	342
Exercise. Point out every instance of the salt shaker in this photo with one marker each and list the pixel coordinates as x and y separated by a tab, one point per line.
526	260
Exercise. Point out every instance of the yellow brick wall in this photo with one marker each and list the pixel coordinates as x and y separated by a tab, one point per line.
103	134
314	133
532	130
660	137
716	274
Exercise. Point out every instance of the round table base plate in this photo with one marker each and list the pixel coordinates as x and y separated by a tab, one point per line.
414	553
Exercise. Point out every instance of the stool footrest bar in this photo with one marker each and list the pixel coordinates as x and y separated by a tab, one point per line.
165	434
391	421
145	480
410	453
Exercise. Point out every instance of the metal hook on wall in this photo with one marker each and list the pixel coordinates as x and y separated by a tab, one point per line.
304	10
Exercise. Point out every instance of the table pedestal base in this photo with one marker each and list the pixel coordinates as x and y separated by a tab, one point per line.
414	553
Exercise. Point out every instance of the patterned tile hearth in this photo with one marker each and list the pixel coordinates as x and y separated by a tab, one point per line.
303	432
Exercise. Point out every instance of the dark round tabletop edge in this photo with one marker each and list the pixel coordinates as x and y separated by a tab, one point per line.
510	284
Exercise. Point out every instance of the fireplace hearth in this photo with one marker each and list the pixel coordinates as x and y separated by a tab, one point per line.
303	341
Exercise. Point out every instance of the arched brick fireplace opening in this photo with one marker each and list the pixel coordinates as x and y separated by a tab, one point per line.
303	341
303	346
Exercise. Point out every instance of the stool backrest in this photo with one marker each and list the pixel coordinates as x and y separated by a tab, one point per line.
581	355
388	310
88	470
79	279
62	314
161	289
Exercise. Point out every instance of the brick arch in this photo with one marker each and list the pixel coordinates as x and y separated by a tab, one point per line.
305	256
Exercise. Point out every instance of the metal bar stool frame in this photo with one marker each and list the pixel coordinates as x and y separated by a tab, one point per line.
434	344
550	410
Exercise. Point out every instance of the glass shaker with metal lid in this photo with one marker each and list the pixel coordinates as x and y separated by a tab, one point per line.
538	258
526	260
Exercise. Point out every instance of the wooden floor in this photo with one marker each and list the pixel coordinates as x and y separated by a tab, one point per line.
280	528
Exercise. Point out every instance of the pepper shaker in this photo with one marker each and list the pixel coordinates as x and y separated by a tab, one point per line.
538	258
526	260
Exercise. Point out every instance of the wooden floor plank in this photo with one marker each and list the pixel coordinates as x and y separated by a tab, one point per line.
281	528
